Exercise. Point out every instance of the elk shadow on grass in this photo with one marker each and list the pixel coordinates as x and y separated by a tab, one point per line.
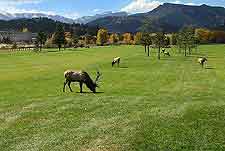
209	68
168	58
86	92
123	67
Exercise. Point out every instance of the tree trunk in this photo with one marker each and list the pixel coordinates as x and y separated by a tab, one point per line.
40	47
185	51
179	49
159	53
148	51
145	48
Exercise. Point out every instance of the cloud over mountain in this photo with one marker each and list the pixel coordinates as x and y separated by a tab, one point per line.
140	6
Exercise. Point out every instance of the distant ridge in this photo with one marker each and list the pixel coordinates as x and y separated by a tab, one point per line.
167	17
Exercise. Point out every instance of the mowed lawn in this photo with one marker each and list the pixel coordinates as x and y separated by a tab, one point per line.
146	104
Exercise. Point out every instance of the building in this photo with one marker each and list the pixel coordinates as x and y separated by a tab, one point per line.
18	36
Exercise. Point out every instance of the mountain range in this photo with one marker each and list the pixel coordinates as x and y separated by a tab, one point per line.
166	17
82	20
87	19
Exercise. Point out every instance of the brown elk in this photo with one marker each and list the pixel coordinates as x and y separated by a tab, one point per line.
81	77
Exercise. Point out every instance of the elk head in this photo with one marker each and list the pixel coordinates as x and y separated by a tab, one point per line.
93	86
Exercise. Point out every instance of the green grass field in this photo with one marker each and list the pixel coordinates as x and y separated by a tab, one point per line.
147	104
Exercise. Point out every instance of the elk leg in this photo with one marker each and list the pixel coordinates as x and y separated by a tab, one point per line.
69	84
81	87
64	86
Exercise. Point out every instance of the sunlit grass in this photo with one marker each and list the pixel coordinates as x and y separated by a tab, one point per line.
147	104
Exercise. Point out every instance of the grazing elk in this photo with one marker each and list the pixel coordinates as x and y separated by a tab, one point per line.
81	77
116	60
166	53
202	61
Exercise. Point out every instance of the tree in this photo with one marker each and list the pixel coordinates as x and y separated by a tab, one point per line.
173	39
24	30
217	36
146	40
59	37
87	39
127	38
41	39
186	39
159	41
167	41
6	40
137	38
203	35
102	37
68	40
114	38
75	40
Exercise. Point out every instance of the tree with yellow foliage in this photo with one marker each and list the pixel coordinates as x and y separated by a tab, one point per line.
203	35
127	38
114	38
102	37
24	30
138	38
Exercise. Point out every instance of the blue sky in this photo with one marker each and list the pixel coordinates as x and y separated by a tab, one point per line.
79	8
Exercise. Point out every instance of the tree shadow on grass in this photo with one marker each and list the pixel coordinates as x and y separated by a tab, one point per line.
48	51
62	50
168	58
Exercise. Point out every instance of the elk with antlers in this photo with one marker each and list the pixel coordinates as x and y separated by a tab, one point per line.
81	77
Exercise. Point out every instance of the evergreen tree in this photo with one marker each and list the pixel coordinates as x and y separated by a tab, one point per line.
41	39
59	38
159	41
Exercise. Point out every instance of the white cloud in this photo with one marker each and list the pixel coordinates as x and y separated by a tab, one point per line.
11	7
96	10
19	2
140	6
72	15
179	2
